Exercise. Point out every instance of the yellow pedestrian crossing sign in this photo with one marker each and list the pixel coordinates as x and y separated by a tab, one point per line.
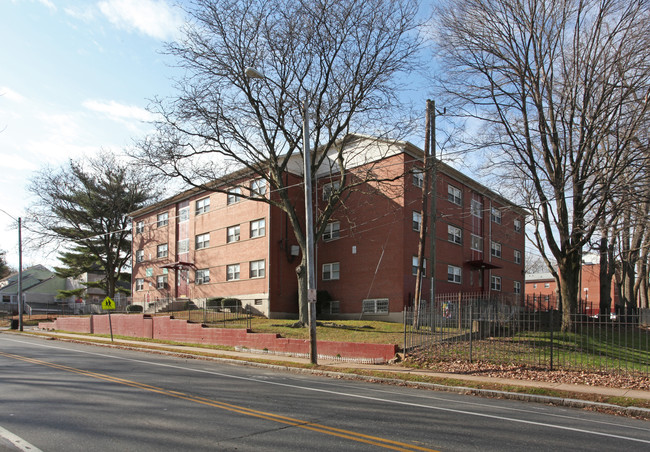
108	304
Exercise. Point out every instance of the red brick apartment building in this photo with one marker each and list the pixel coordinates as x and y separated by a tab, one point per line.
199	244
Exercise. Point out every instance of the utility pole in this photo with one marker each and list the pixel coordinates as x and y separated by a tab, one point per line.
424	217
433	208
309	229
20	275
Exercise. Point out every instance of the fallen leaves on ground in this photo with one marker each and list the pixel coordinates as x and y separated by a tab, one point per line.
620	380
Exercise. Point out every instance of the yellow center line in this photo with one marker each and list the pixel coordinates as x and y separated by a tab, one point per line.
320	428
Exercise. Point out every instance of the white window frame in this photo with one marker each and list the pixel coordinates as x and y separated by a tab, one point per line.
477	243
139	227
184	214
139	284
476	208
203	206
139	256
418	177
202	276
331	271
454	234
417	220
258	228
329	188
517	287
234	196
202	241
334	307
161	281
517	225
162	250
495	249
258	188
233	272
495	283
375	306
517	256
257	269
415	263
233	234
162	219
183	246
454	274
495	215
332	231
454	195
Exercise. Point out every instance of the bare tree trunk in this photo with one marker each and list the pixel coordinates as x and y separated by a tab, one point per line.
569	275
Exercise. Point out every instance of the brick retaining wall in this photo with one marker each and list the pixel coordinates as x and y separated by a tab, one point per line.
168	328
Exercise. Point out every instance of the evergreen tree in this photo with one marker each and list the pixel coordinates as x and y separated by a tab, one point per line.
84	205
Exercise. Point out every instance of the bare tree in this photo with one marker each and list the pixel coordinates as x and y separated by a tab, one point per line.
341	57
556	83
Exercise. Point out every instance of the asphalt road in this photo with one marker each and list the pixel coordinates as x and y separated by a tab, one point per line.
58	396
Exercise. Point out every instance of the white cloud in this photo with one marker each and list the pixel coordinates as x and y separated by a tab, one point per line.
118	111
10	94
154	18
48	4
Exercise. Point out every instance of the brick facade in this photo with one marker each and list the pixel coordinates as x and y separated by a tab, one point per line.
365	259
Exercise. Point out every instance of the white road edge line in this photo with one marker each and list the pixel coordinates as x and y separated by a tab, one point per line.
17	441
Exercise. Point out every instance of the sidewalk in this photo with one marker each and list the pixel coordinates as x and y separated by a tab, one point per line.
334	367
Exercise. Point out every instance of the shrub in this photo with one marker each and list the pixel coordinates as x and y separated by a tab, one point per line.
232	303
214	302
134	308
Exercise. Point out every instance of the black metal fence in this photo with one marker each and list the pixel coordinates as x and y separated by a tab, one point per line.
236	317
476	328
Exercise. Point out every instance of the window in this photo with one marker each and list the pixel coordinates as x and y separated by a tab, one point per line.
454	195
183	246
6	298
332	231
202	241
517	257
477	243
258	228
517	287
161	281
476	208
517	225
202	206
417	221
330	271
375	306
234	195
547	285
183	214
162	250
535	286
418	177
149	272
415	264
257	269
454	234
258	302
139	284
495	283
139	255
334	307
258	188
496	249
139	227
233	234
202	276
162	219
232	272
454	274
495	215
330	189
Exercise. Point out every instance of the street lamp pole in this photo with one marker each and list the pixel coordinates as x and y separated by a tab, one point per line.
251	72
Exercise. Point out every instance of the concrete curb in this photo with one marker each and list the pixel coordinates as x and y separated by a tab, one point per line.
525	397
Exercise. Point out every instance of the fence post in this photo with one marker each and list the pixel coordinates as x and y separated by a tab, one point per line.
551	321
471	332
404	316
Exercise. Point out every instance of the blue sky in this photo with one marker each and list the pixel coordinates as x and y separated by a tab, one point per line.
75	77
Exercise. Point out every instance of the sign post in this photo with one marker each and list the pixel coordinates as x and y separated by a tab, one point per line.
109	305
